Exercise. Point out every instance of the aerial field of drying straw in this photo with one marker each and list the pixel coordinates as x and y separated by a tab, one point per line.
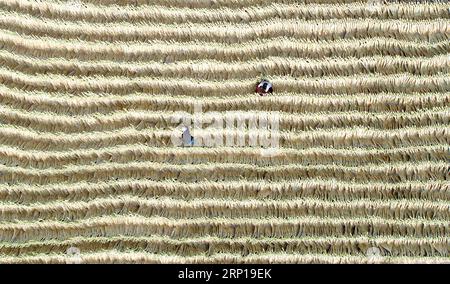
224	131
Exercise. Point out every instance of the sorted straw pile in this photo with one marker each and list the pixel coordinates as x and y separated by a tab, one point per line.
90	97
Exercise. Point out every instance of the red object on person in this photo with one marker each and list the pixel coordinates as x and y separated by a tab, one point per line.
264	87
